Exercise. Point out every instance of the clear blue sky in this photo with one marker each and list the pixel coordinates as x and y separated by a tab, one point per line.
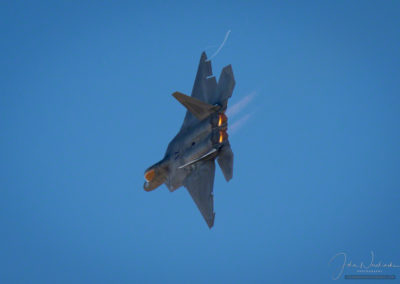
86	107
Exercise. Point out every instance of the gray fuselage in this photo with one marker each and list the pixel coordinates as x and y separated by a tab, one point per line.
192	144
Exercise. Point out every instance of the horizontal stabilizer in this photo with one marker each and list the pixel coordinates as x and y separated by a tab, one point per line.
199	109
225	161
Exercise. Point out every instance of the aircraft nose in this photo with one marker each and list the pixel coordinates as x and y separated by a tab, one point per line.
146	186
149	175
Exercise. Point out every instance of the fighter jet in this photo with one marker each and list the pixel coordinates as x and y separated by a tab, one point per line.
202	139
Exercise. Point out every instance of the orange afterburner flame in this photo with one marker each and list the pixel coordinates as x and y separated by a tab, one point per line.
222	136
149	175
222	119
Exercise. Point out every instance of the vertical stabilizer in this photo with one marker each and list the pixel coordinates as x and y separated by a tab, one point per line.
226	84
225	161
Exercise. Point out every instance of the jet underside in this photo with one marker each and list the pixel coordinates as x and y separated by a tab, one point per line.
190	156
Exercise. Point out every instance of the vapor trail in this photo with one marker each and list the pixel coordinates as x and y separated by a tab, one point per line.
237	107
238	124
221	46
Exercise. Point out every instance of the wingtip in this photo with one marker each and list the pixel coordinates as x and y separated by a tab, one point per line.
210	222
176	95
228	178
203	56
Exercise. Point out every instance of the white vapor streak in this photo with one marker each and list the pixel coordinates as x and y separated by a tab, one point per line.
221	46
237	107
238	124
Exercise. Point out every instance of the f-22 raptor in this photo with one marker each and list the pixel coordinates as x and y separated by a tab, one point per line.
202	139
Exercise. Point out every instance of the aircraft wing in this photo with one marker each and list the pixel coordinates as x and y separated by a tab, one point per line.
204	88
200	183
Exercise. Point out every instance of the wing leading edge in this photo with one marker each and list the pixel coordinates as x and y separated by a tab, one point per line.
200	184
204	87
